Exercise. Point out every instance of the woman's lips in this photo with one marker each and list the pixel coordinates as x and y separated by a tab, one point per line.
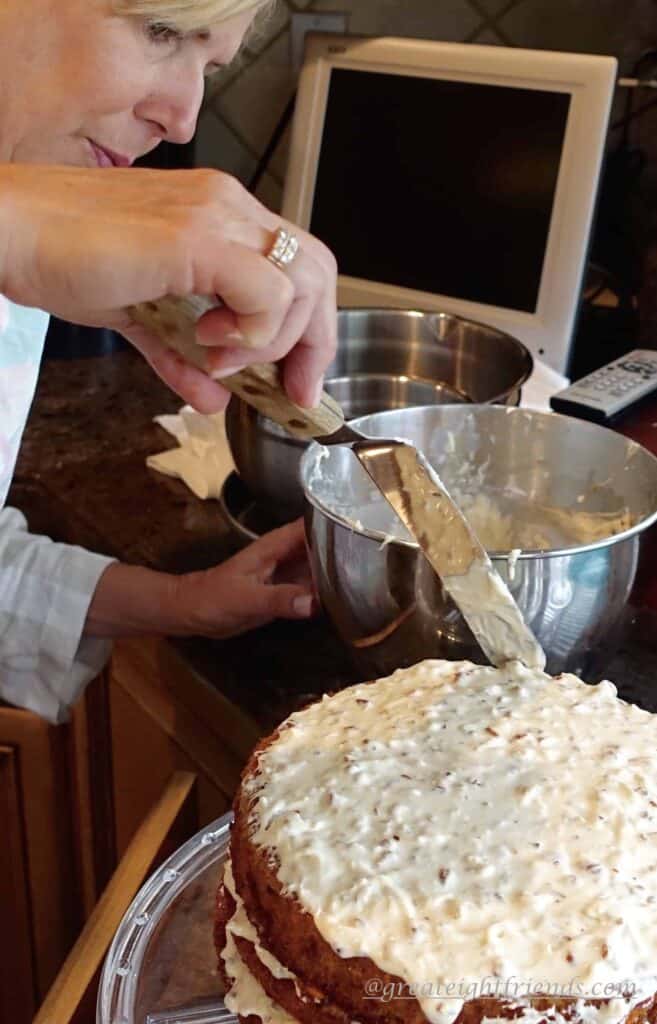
107	158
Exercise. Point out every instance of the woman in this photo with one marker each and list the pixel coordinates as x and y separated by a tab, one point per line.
86	87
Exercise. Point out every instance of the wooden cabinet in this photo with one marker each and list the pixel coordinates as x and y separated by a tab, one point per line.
17	980
57	841
72	998
164	718
39	893
74	798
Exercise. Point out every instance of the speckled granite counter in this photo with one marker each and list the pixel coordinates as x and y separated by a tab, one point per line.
81	477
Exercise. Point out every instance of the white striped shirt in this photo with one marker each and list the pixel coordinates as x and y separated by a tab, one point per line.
45	588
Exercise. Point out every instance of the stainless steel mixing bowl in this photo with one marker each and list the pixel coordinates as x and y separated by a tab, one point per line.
387	359
267	458
382	596
484	363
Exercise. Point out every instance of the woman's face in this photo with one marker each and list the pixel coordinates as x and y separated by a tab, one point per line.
81	85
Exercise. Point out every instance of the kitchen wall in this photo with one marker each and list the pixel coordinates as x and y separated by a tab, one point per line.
244	104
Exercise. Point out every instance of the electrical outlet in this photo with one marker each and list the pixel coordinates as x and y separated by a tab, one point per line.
302	24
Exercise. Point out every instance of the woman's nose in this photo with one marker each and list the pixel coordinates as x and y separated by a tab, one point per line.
175	107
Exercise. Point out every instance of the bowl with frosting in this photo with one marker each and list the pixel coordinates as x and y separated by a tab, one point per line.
560	505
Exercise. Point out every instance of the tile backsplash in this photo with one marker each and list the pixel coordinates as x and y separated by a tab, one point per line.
244	105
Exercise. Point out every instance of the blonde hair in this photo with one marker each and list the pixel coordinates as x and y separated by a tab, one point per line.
190	15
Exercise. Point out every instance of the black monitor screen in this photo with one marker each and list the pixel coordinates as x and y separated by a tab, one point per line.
442	186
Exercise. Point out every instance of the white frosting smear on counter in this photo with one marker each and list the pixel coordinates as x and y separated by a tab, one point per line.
456	822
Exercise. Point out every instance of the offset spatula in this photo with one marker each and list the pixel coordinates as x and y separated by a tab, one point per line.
401	473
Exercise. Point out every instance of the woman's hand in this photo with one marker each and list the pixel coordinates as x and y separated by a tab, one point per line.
86	244
268	580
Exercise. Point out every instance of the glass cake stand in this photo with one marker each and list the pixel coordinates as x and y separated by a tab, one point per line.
161	966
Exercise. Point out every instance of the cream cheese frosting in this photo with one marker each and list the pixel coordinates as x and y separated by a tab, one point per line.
505	523
455	822
241	925
486	604
246	995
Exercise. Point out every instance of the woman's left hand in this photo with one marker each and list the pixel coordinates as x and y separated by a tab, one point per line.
268	580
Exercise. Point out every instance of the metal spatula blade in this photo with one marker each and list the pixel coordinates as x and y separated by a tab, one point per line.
448	542
401	473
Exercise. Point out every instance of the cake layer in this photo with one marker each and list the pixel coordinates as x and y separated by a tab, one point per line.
244	995
283	993
291	936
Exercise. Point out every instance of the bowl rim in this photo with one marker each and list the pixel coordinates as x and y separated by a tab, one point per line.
519	554
414	378
415	312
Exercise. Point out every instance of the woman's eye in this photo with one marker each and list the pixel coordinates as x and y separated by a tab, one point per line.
160	32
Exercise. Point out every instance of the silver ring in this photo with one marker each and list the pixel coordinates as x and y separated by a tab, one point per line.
284	250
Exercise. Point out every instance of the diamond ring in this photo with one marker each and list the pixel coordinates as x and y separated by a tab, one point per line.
284	250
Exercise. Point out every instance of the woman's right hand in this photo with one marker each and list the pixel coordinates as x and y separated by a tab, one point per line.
86	244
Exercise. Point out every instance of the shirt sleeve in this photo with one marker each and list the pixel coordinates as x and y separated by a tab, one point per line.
45	592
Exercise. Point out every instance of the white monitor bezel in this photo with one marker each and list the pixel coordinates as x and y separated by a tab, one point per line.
588	79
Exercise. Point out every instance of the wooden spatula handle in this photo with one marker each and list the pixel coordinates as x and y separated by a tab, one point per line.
174	320
259	385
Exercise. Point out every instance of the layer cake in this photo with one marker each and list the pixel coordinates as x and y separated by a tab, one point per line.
452	843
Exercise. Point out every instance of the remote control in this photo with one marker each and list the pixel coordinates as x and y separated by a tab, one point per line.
612	390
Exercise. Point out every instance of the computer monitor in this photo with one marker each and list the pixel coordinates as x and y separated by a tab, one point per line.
453	177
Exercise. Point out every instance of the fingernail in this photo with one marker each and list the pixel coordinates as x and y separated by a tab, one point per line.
227	371
317	394
303	606
233	338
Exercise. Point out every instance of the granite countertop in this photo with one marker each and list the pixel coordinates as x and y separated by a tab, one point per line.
81	477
